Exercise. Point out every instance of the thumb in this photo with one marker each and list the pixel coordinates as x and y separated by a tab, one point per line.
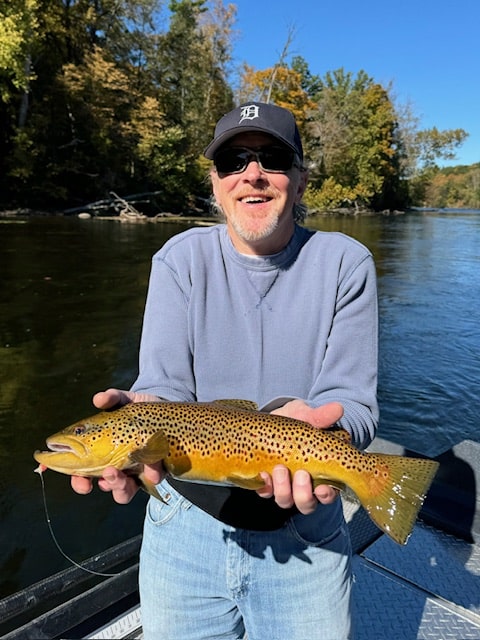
154	472
323	416
113	397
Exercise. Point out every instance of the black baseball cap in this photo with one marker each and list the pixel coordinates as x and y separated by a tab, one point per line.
257	116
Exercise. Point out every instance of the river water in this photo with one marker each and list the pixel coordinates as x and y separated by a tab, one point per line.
71	303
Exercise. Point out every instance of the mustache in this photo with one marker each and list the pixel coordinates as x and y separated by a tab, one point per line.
268	192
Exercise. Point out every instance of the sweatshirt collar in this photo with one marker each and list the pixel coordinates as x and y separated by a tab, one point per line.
280	260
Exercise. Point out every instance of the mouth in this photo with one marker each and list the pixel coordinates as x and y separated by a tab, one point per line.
65	444
62	456
255	199
55	446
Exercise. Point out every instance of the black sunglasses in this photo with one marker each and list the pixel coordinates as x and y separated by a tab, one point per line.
270	159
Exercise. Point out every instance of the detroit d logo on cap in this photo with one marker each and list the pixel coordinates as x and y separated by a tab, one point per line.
249	112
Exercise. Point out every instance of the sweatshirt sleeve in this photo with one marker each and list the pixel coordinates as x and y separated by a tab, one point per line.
165	361
349	369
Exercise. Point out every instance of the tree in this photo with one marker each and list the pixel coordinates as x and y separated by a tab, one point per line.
52	150
194	92
287	86
286	90
157	148
101	101
19	35
119	94
422	150
432	145
18	31
354	127
457	187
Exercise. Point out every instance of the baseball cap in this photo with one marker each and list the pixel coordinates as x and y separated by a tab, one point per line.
257	116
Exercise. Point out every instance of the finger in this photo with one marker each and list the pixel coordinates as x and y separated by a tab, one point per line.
305	500
123	487
282	487
154	473
267	490
113	397
326	494
332	412
81	485
109	398
324	416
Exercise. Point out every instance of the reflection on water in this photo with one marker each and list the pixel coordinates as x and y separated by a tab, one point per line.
429	298
72	296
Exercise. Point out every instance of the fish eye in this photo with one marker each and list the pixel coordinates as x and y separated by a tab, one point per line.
79	430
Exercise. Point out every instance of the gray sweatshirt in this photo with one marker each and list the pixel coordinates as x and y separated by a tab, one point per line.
298	324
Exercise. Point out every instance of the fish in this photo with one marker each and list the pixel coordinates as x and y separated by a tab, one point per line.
230	442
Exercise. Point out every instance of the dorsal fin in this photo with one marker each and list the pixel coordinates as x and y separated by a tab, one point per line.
340	433
246	405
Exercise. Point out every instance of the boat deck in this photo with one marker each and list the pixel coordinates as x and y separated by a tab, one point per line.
427	589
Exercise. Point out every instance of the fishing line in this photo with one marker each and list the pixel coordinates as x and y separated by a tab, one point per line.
54	537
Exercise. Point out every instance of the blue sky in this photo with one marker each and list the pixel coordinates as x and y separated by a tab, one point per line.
429	50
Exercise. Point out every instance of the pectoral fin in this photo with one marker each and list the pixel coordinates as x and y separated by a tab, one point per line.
155	449
247	482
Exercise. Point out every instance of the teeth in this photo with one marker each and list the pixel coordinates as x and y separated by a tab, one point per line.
252	200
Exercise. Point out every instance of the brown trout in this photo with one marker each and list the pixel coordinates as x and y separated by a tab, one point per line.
230	442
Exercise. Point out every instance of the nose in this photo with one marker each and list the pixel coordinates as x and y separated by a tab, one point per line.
253	171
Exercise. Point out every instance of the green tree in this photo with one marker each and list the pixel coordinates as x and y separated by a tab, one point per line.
286	90
19	38
424	149
59	126
191	94
355	142
18	32
157	144
121	94
431	145
457	187
192	63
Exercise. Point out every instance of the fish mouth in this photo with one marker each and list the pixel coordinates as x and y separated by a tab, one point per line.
55	446
65	444
65	456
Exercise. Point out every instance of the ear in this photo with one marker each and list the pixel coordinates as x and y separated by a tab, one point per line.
302	185
214	180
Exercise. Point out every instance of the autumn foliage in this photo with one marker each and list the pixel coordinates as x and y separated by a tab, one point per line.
123	95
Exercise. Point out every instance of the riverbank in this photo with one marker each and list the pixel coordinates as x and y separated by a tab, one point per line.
137	216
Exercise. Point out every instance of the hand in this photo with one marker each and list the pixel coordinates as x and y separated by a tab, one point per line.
122	486
299	490
322	417
111	397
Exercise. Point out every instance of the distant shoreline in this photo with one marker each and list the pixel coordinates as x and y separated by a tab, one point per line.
21	212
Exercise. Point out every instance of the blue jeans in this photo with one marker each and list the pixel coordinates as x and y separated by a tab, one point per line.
201	579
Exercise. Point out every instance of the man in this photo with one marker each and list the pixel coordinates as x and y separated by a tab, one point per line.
263	309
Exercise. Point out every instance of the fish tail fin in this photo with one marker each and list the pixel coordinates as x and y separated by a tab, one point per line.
405	482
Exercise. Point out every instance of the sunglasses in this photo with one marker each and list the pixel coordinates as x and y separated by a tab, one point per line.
270	159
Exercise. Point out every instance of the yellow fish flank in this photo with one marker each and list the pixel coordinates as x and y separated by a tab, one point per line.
230	442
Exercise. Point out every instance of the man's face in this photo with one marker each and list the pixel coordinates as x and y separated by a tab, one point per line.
258	204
